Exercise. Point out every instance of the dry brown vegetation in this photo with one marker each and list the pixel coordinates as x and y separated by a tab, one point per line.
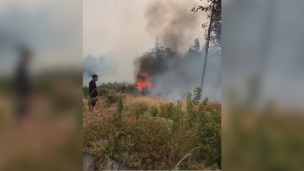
154	133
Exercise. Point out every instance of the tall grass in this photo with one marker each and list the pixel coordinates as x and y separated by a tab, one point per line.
154	134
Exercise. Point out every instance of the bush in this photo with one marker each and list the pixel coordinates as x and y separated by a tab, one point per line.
154	111
157	137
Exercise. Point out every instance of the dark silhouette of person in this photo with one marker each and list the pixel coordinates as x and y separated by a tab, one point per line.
23	85
93	91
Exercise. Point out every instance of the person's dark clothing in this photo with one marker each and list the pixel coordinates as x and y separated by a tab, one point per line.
23	91
93	89
23	86
93	103
93	92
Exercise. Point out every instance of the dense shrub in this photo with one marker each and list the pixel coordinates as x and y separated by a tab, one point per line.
156	137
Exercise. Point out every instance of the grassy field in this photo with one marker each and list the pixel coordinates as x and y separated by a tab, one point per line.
153	133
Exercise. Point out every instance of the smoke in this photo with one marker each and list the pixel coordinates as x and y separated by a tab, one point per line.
274	56
93	65
172	22
176	74
131	31
172	71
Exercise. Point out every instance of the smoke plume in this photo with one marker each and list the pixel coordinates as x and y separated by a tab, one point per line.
172	71
172	23
129	35
176	74
93	65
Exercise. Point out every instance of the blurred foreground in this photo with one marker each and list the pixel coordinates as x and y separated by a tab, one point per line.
263	114
40	107
50	139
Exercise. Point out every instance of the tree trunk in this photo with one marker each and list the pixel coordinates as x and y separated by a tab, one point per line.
207	47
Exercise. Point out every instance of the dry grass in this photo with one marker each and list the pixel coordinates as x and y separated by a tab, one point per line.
130	103
152	142
151	101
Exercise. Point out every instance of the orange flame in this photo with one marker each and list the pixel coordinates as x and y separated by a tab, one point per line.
144	81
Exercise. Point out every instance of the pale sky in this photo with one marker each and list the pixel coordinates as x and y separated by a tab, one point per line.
53	29
119	27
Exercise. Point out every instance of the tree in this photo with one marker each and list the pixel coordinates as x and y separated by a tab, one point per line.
158	48
196	45
194	50
214	29
216	25
190	52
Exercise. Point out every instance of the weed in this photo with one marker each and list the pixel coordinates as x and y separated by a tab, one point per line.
155	134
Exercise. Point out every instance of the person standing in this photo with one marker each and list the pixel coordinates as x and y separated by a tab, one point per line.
93	91
23	87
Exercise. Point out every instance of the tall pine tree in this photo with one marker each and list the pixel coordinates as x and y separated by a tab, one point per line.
194	50
158	49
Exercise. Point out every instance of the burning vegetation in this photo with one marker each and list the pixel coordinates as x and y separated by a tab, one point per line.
144	82
149	66
163	71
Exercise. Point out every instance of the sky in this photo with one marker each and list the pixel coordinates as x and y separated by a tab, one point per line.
119	28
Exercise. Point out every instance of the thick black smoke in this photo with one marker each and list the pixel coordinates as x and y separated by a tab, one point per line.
173	71
172	23
176	74
155	63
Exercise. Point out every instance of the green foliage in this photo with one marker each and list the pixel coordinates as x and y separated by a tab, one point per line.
211	138
216	5
170	111
167	110
137	113
205	101
209	124
189	104
159	142
120	105
154	111
197	95
194	50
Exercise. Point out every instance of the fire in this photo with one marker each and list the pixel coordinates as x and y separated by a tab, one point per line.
144	81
